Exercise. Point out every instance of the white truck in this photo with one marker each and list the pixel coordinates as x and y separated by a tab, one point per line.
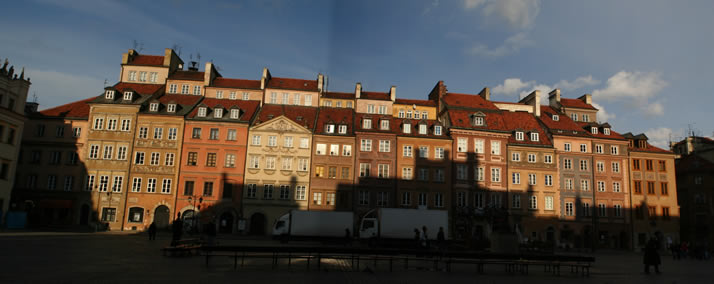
324	224
396	223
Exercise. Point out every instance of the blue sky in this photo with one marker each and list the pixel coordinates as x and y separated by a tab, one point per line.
648	64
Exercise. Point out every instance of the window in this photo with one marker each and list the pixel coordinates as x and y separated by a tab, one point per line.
496	148
583	148
586	117
407	151
532	180
519	136
477	120
201	112
384	146
109	214
300	192
586	209
169	161
59	131
423	152
329	128
304	142
548	180
615	167
638	187
272	141
438	153
401	113
109	94
108	152
197	90
296	99
192	158
636	164
321	149
125	124
363	198
383	171
584	185
213	134
602	210
51	182
217	112
406	198
302	164
479	174
74	157
566	147
287	163
583	165
286	98
103	183
663	188
143	132
370	108
139	158
136	185
606	131
556	117
173	88
574	116
252	189
665	213
534	136
407	173
317	198
409	114
601	186
308	100
548	159
56	156
614	150
235	113
112	124
346	150
532	158
423	174
407	128
650	187
617	207
382	110
460	199
662	166
155	156
533	202
438	200
569	209
208	188
516	178
117	183
652	212
479	201
548	203
284	191
567	164
342	129
615	187
437	130
384	124
593	130
334	149
76	132
211	160
600	166
345	173
496	174
598	148
496	200
89	185
154	107
232	136
166	186
254	141
461	145
461	172
158	133
479	146
382	198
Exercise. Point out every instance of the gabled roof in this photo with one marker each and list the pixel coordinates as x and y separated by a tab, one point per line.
600	134
305	116
78	109
467	101
375	96
526	122
248	108
564	123
461	118
187	75
376	118
221	82
292	84
142	92
337	116
576	103
415	102
184	104
339	95
147	60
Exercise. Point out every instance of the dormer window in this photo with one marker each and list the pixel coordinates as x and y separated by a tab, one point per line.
202	112
330	128
534	136
437	130
556	117
171	108
154	107
342	129
477	120
218	113
407	128
367	123
422	129
519	136
606	131
128	95
593	130
109	94
235	113
384	124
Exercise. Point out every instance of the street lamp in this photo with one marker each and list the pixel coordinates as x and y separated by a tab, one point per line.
109	196
192	200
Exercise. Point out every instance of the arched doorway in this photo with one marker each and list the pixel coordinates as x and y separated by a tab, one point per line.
84	215
257	224
162	217
225	223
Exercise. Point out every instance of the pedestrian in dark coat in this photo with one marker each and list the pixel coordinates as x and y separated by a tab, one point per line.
651	256
440	238
177	229
152	231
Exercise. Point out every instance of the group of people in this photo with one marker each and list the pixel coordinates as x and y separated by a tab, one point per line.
422	238
685	249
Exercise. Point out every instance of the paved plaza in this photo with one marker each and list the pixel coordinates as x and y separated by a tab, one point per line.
66	257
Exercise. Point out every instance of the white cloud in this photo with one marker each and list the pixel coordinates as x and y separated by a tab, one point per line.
518	14
660	137
55	88
602	114
635	86
511	45
511	86
654	109
577	84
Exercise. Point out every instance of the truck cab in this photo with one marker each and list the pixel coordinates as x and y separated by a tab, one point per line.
282	225
369	226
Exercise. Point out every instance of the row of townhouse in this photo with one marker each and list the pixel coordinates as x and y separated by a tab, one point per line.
166	141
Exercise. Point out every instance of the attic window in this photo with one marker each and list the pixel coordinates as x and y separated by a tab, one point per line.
534	136
384	124
422	128
367	123
343	129
329	128
519	136
128	95
556	117
202	112
299	118
437	130
606	131
593	130
171	108
407	128
109	94
477	120
218	113
154	107
235	113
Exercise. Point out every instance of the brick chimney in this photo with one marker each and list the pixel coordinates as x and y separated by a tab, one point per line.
265	78
485	94
586	98
358	90
393	93
554	98
320	83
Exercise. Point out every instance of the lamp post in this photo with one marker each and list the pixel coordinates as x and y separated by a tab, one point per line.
109	196
192	200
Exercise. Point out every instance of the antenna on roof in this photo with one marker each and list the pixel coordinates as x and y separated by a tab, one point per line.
105	82
177	49
34	97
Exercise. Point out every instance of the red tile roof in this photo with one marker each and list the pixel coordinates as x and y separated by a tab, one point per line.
587	125
415	102
462	119
221	82
292	84
576	103
142	89
179	99
414	124
249	107
468	101
338	116
527	123
376	118
78	109
304	116
339	95
148	60
187	75
375	96
564	122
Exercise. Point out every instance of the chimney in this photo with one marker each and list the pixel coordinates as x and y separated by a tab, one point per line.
210	74
129	56
587	98
393	93
31	107
264	80
358	90
533	99
320	82
485	94
554	97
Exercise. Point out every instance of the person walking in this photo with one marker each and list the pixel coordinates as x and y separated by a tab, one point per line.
152	231
440	239
417	238
652	257
424	238
177	229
